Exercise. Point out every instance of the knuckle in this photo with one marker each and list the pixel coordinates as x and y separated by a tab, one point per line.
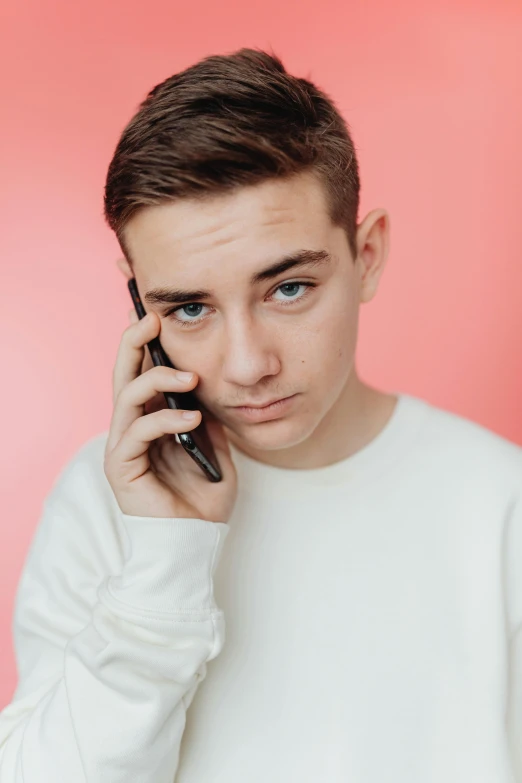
131	335
135	428
161	371
167	418
121	396
128	332
165	415
161	376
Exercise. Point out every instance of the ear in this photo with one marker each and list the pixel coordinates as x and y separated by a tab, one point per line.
125	269
373	237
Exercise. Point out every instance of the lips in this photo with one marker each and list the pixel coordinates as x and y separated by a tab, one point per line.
275	410
262	405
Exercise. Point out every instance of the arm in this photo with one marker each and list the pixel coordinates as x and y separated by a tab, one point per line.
108	661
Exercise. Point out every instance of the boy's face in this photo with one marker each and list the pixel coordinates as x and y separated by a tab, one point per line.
253	343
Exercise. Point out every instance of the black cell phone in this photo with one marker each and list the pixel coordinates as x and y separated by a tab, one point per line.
196	443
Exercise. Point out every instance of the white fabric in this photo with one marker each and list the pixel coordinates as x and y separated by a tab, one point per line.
373	616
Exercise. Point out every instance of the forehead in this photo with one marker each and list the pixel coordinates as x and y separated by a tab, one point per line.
247	226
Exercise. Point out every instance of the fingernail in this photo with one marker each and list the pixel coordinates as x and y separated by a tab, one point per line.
188	415
184	376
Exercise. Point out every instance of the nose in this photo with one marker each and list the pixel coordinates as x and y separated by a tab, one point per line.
249	353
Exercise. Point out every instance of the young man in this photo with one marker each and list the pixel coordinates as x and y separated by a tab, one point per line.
364	548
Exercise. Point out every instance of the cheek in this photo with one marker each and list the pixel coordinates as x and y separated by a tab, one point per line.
329	336
203	363
190	355
323	353
322	360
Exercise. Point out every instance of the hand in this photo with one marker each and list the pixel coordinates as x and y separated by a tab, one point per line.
150	473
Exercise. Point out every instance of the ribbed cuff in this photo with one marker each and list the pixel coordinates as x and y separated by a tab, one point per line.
169	564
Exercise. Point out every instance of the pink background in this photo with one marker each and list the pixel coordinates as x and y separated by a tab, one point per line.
432	93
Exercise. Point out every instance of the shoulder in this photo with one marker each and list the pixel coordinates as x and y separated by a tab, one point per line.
80	520
468	449
83	471
78	541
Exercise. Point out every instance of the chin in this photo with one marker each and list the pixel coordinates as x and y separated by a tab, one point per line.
272	435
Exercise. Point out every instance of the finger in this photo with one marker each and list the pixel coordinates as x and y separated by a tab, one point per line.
133	319
131	400
137	438
147	360
130	356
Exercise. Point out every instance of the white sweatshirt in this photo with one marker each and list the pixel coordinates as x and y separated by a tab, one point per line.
373	623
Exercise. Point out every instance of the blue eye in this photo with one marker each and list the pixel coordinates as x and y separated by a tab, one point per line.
290	285
198	319
192	304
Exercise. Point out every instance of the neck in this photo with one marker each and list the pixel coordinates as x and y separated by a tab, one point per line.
356	418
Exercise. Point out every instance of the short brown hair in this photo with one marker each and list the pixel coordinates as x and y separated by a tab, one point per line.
225	122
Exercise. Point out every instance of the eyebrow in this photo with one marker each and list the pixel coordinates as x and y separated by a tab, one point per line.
313	258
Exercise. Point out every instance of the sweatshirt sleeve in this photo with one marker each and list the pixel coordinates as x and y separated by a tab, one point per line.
114	622
513	590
